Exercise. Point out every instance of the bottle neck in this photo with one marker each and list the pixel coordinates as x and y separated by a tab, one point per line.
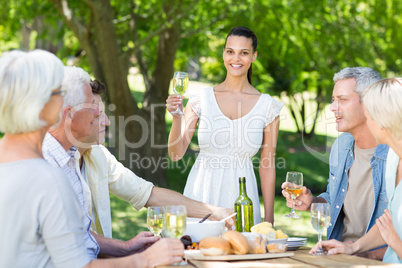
242	187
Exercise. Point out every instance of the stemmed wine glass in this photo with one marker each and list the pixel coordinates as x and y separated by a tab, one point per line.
320	219
155	217
175	223
294	188
180	84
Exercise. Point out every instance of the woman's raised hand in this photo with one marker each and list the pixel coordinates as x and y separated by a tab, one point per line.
173	103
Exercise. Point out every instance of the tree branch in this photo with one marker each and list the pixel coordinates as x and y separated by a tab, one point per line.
166	25
72	22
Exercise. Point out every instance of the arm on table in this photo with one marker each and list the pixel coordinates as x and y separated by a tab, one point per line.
118	248
369	241
164	252
267	168
163	197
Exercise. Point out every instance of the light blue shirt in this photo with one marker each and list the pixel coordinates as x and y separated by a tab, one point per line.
55	154
340	161
394	203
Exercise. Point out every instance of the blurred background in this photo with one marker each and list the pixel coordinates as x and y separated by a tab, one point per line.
135	46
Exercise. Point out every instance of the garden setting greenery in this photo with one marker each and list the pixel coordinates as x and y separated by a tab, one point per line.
301	44
134	46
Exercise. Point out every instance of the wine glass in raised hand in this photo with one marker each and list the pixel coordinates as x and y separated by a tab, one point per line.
294	186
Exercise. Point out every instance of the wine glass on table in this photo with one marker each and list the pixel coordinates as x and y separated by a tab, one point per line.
294	188
180	84
320	219
175	223
155	217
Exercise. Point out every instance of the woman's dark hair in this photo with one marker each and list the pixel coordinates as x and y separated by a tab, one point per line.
245	32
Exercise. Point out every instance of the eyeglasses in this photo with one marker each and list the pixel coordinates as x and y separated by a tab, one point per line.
60	92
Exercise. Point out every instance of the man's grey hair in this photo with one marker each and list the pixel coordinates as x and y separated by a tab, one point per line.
73	83
364	77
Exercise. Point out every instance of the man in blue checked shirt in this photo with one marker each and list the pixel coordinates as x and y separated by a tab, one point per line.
356	186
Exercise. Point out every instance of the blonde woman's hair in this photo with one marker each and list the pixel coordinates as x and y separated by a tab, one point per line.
27	80
383	101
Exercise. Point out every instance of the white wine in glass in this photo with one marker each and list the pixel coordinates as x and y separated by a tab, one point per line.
180	84
320	219
294	188
155	217
175	221
175	224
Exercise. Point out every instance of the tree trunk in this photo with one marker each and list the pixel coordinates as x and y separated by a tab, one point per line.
138	135
154	105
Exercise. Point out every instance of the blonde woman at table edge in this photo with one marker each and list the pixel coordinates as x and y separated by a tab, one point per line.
41	221
384	116
234	121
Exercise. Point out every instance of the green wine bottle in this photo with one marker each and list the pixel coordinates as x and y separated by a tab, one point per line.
244	209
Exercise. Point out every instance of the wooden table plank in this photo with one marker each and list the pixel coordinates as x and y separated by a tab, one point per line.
300	259
340	260
281	262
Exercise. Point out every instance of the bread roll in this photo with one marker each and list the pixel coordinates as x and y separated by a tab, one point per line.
277	248
214	246
238	242
256	243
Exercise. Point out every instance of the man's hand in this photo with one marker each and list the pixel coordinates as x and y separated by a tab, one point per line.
164	252
219	213
302	202
141	242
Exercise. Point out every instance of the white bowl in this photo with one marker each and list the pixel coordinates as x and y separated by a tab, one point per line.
198	231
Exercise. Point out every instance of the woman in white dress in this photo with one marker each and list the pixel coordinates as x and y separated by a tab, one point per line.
382	105
234	122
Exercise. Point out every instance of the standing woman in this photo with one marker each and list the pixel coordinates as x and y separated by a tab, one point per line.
234	121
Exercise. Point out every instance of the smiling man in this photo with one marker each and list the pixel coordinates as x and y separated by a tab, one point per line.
356	186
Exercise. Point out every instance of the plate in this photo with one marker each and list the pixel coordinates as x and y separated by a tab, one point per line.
196	255
278	241
295	242
296	239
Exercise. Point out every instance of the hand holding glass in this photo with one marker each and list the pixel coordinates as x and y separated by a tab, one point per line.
320	219
180	84
155	217
294	188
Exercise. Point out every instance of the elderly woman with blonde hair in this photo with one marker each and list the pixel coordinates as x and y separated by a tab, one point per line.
382	103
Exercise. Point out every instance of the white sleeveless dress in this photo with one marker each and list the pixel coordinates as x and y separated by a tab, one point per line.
226	149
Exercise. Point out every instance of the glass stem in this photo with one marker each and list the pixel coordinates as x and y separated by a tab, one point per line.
293	206
319	240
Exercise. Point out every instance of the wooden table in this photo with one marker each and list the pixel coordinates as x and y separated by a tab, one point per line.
301	258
